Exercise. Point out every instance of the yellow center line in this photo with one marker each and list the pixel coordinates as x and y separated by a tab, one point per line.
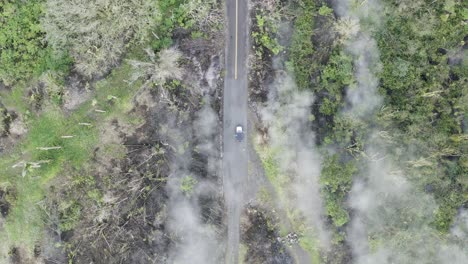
235	49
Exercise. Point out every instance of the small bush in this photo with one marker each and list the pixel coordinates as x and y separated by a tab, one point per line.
187	185
23	52
336	183
264	35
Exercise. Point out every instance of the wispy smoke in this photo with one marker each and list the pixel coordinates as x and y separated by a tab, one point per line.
459	230
391	218
392	222
387	206
363	97
196	240
287	115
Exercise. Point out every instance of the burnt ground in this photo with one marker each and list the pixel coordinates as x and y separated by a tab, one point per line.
115	209
135	227
262	240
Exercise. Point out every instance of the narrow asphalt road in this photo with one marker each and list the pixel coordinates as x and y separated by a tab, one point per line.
235	156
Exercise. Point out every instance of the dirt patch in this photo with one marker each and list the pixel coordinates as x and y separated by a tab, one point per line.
17	127
18	255
4	204
5	120
15	255
76	92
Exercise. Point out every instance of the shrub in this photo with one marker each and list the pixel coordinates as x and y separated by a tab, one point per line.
264	34
187	185
336	183
302	49
23	52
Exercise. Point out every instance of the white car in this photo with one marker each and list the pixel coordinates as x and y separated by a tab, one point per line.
239	133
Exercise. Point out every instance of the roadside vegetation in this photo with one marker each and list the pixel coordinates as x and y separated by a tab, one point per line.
420	122
282	191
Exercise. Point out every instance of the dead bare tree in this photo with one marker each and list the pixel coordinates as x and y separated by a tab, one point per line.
157	70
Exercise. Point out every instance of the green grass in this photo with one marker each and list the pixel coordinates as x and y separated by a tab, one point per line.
24	223
302	50
242	253
281	183
308	243
187	184
272	171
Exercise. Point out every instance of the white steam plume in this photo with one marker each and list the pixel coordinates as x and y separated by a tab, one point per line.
286	116
391	218
198	242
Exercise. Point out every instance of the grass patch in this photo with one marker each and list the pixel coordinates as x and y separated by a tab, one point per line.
242	253
272	170
281	184
24	223
308	243
302	50
15	99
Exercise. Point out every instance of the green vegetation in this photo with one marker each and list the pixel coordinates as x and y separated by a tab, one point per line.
336	76
264	33
423	52
272	171
196	17
309	244
335	179
427	56
301	49
325	10
187	184
24	52
173	15
282	186
47	153
242	253
422	73
118	48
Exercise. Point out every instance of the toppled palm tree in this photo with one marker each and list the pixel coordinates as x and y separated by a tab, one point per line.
158	70
347	28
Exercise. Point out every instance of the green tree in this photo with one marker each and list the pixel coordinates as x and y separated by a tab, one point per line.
23	51
336	180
